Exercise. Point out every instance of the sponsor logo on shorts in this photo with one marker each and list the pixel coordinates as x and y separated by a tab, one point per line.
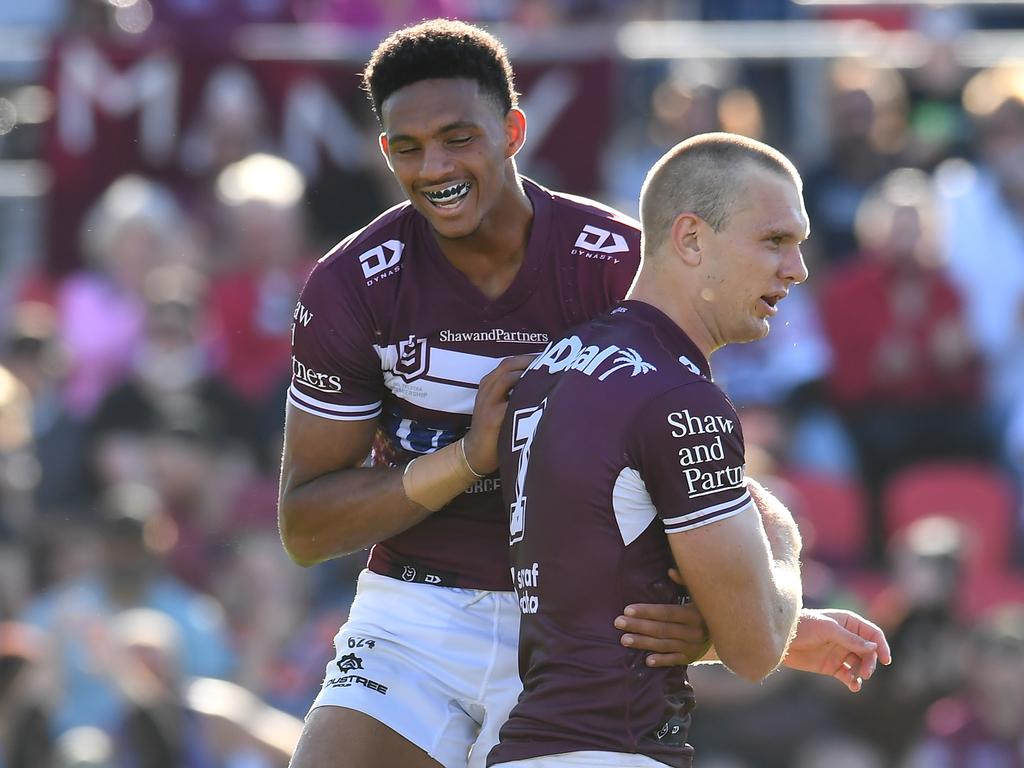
672	732
349	662
349	680
420	574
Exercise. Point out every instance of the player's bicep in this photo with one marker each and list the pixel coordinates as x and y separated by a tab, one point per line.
315	446
721	562
726	566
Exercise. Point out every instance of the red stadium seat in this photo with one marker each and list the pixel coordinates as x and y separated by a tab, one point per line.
985	590
832	515
977	496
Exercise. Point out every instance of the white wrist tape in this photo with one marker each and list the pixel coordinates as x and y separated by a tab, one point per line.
436	478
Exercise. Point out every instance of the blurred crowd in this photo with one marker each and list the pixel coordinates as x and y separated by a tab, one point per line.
148	614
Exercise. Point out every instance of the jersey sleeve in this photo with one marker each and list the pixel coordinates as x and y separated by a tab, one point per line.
336	373
689	448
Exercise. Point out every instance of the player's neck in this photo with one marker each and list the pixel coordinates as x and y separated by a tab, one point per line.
492	255
667	294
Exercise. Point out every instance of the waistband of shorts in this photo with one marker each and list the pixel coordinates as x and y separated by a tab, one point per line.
417	573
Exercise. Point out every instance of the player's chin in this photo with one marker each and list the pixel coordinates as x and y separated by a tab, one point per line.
455	229
754	331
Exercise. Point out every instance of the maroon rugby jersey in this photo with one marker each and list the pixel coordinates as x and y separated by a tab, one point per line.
614	437
387	328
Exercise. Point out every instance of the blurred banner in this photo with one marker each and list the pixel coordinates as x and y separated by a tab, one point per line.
176	116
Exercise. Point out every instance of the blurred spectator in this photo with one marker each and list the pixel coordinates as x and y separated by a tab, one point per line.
32	353
294	674
983	237
265	262
76	615
938	127
681	105
170	387
919	615
867	111
175	425
19	473
906	377
983	725
752	725
166	725
135	226
838	750
24	717
266	600
783	375
85	747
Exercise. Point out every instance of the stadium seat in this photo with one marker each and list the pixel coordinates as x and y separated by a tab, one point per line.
978	496
832	515
985	590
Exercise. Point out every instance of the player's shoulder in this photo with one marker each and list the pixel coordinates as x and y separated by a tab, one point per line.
587	208
579	216
695	389
370	250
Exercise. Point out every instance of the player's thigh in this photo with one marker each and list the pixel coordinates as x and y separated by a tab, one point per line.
337	737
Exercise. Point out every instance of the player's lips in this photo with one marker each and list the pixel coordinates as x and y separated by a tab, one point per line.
771	301
448	197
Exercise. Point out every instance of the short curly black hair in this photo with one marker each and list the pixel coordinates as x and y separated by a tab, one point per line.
439	48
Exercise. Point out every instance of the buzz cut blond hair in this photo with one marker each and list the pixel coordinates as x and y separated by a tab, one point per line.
703	175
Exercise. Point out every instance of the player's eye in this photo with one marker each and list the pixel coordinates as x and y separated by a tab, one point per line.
460	141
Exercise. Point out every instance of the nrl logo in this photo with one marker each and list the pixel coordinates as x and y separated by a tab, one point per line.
413	358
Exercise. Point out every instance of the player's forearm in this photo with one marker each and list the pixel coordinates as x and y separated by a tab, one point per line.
785	545
343	512
350	509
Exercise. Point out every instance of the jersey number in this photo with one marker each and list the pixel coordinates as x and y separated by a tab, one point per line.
524	427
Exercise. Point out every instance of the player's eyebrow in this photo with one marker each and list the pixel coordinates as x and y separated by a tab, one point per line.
457	125
788	233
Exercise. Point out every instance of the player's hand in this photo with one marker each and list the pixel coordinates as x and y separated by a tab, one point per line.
675	634
481	442
838	644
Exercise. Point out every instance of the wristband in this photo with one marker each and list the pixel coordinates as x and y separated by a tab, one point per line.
434	479
465	458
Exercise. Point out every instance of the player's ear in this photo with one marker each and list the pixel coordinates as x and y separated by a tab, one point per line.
515	131
685	237
382	142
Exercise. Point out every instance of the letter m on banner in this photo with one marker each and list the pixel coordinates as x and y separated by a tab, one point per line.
87	79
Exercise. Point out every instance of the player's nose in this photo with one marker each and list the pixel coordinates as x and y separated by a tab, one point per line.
437	163
794	269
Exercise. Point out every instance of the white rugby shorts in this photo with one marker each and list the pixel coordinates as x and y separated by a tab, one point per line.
439	665
588	759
